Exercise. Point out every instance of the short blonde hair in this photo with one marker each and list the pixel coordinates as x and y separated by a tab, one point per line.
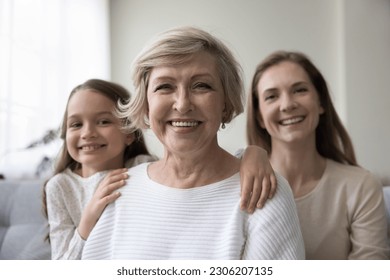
176	46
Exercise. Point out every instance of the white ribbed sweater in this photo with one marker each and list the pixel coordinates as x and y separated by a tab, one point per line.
153	221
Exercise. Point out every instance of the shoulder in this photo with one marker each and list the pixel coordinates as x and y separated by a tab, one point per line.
140	159
283	188
139	170
350	176
54	184
283	200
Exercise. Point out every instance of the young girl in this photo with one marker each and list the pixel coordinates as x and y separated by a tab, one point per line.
90	168
82	186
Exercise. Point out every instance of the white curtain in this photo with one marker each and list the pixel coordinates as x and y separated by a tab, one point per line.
46	48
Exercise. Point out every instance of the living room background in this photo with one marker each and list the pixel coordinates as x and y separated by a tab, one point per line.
49	46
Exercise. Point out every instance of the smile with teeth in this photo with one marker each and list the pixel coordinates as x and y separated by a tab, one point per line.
88	148
291	121
185	123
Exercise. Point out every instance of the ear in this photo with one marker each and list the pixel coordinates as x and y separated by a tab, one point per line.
129	139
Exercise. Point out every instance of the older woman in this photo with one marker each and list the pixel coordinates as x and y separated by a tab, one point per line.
186	205
291	115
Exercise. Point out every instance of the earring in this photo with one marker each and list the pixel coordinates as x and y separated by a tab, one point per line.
223	126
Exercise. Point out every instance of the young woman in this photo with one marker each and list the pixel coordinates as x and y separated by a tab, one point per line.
291	115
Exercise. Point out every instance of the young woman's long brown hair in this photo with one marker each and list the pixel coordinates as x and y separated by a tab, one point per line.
332	139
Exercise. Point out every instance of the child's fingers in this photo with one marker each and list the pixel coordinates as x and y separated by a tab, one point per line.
116	175
265	190
108	189
112	178
246	190
109	198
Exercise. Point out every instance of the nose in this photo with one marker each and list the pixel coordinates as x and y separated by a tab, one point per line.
183	102
88	131
287	103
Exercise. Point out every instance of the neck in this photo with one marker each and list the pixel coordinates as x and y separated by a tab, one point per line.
193	170
301	165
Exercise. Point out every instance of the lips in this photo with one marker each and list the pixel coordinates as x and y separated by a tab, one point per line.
291	121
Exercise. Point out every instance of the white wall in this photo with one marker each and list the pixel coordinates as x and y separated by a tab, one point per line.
325	30
367	53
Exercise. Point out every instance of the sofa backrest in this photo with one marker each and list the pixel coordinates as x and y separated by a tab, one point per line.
22	224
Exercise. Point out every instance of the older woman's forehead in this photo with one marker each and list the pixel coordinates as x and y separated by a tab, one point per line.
200	64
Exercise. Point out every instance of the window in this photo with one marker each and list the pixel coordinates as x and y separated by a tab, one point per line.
47	47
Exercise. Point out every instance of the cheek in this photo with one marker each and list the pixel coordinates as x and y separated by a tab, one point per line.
156	106
69	140
261	116
71	145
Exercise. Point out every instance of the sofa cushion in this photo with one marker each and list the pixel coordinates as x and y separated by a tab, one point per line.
23	226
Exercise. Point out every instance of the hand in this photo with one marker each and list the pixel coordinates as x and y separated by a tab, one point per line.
258	181
105	193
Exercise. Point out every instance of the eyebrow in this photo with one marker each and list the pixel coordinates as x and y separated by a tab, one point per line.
170	77
293	85
98	114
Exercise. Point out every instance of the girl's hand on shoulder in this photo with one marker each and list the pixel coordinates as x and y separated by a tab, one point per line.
258	181
106	192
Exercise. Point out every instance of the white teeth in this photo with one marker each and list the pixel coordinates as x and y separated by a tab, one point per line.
185	124
292	121
90	148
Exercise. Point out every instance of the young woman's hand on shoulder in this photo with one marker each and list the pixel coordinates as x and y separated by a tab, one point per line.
258	181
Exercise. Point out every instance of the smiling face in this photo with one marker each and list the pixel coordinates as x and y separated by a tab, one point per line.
93	134
289	104
186	104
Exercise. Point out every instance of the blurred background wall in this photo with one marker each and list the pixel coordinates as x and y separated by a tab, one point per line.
47	47
349	40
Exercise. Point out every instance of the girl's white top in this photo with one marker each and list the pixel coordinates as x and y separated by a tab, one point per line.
67	194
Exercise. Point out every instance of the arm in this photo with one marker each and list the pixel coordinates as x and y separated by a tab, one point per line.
258	182
104	195
369	226
64	240
274	233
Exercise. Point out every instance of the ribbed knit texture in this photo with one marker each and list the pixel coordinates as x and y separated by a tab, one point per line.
153	221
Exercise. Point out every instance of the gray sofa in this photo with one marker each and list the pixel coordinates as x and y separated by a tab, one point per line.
22	224
23	227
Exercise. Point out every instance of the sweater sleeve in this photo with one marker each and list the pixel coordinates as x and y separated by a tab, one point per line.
274	231
65	241
368	221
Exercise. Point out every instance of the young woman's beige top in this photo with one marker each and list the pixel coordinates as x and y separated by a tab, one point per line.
344	216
